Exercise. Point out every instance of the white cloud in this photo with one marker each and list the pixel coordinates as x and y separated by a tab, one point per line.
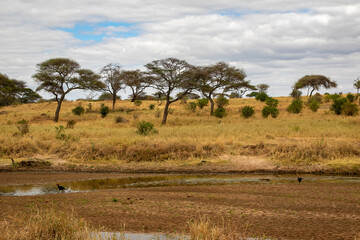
275	42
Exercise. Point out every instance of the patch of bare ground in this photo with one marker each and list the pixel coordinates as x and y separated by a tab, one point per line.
310	210
249	163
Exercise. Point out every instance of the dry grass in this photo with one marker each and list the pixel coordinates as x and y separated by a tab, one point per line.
44	224
291	139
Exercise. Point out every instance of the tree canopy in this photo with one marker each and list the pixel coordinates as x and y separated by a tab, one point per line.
59	76
111	74
137	81
314	82
170	75
219	77
12	91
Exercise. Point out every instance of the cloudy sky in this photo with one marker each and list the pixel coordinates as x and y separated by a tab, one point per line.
275	42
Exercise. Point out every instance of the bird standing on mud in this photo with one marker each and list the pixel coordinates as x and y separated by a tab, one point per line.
61	188
299	179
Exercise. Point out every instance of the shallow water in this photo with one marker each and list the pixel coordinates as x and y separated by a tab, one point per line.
165	180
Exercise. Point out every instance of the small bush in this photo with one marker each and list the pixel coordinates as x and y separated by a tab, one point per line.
89	108
267	110
78	110
145	128
202	102
247	111
271	102
314	105
337	105
296	94
152	106
70	124
138	103
317	97
120	119
60	133
295	106
104	110
191	106
220	112
23	127
222	101
261	97
350	109
350	97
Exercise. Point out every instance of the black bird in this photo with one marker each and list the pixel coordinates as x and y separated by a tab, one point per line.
299	179
61	188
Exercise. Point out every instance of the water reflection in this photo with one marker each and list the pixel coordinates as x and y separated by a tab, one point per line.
163	180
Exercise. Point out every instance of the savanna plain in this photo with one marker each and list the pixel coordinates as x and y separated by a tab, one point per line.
192	142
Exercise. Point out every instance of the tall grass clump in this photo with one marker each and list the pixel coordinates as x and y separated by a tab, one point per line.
138	103
44	224
145	128
247	111
23	127
70	124
191	106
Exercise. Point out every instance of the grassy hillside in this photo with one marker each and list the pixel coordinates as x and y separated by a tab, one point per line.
305	139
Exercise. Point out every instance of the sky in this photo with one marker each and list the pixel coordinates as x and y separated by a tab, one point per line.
275	42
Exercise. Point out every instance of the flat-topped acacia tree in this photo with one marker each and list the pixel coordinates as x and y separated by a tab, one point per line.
314	82
112	76
219	76
170	75
59	76
137	81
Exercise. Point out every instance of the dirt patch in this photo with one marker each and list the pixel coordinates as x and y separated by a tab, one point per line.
285	211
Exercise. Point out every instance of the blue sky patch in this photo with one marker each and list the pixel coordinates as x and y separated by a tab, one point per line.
97	31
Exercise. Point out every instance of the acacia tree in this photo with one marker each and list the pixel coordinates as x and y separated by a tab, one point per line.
314	82
112	77
262	88
169	75
357	85
137	81
12	90
60	76
220	76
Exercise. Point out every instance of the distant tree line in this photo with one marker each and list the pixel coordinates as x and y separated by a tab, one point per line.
173	80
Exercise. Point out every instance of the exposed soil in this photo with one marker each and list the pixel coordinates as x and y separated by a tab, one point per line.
283	211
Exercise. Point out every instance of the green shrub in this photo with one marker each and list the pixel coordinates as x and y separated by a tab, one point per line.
350	97
247	111
296	94
152	106
350	109
267	110
222	101
104	110
314	105
202	102
295	106
316	97
337	105
191	106
138	103
261	97
220	112
145	128
70	124
78	110
60	133
271	102
23	127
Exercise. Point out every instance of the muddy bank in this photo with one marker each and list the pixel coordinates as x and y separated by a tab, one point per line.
310	210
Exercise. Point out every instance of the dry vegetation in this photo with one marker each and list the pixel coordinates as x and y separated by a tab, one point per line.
305	139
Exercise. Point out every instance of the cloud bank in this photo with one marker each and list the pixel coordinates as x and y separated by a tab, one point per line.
275	43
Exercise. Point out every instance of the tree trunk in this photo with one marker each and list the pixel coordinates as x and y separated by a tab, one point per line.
211	106
166	112
133	98
57	112
311	93
114	100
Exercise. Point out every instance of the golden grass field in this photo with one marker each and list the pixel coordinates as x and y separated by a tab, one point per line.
308	140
